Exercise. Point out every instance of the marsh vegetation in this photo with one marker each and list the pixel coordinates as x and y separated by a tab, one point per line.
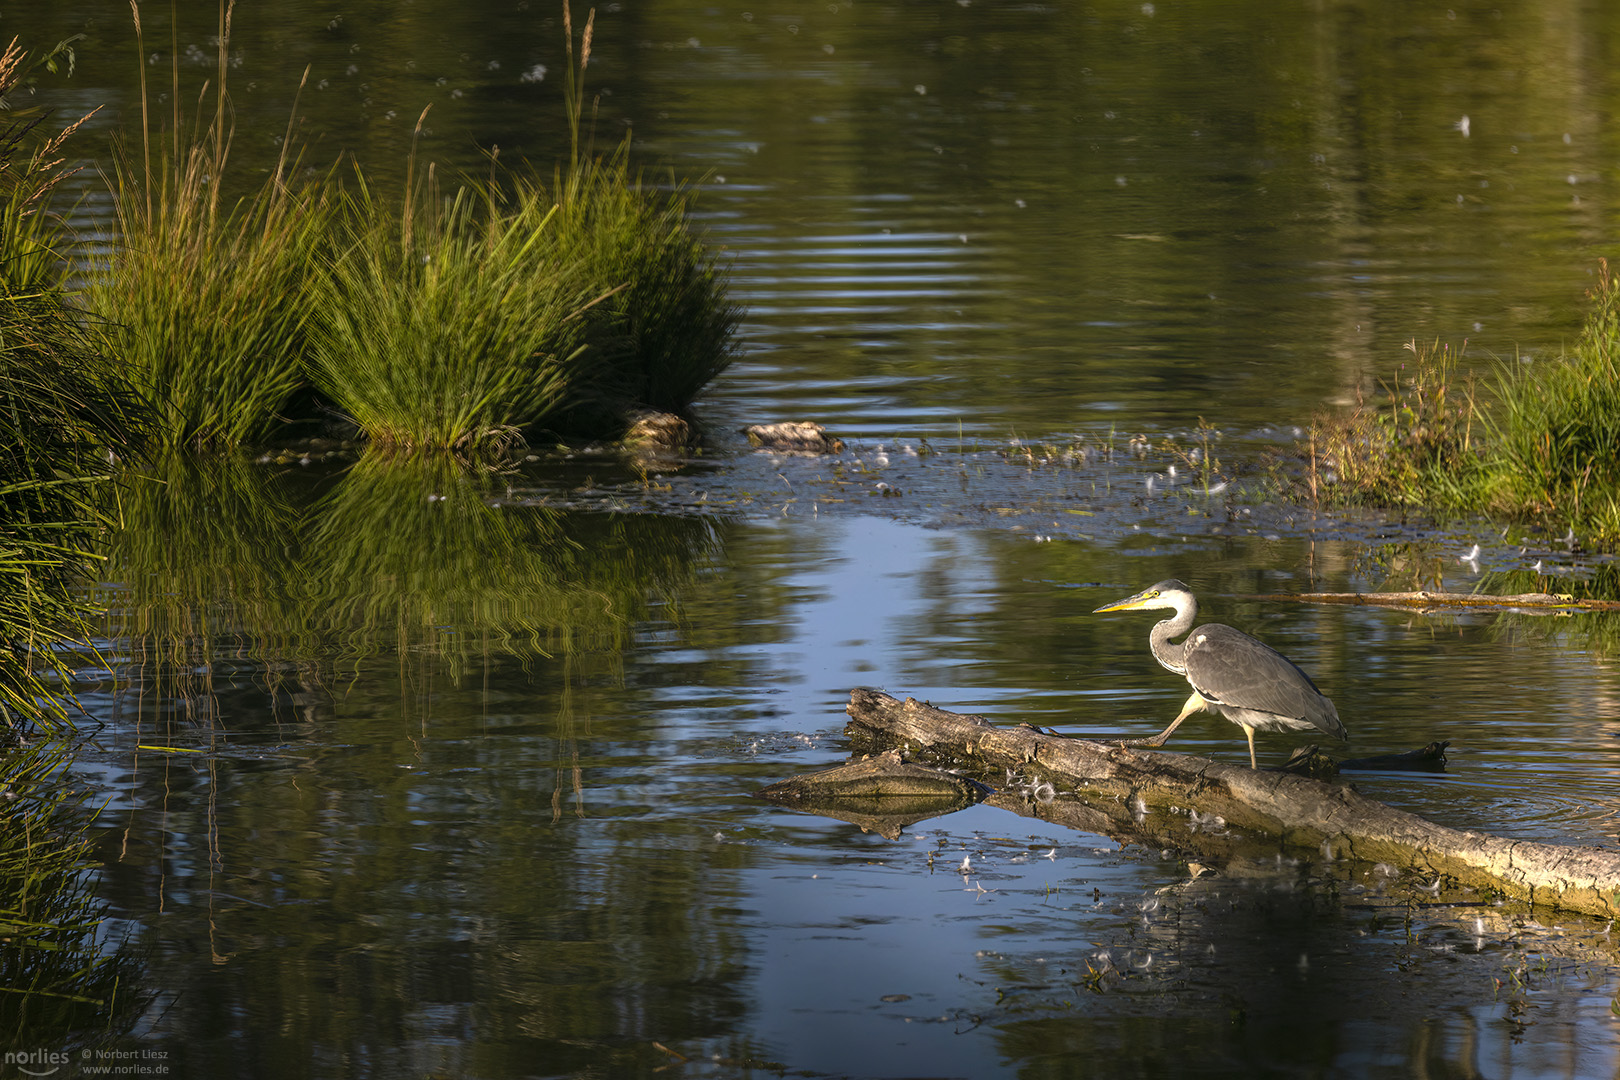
1536	442
464	315
346	708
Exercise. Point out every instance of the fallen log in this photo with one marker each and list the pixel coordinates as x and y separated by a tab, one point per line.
1122	787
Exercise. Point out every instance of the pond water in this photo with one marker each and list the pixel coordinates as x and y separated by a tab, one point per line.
409	772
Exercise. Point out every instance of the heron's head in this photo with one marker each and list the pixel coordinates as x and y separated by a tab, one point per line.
1166	594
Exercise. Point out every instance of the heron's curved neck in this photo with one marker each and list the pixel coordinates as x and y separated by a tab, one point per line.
1167	652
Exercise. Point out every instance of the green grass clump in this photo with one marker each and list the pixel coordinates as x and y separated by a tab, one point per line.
459	323
466	323
1555	430
442	327
203	301
518	305
204	308
664	327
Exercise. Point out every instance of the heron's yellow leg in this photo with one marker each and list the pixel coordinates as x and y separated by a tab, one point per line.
1194	703
1249	731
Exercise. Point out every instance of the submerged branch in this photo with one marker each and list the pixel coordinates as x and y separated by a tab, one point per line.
1424	599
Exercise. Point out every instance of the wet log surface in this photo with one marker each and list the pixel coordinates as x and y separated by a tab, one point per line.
1227	811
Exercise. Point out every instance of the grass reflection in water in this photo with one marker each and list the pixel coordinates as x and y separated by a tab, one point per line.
414	561
60	985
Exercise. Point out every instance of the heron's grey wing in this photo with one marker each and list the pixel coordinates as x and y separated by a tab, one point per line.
1229	667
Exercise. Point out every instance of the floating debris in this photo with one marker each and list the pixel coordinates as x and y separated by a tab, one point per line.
799	437
655	431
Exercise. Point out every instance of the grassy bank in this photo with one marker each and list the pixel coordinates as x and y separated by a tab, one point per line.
462	317
1538	442
65	413
64	416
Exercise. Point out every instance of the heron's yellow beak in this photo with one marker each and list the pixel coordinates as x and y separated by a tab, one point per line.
1130	603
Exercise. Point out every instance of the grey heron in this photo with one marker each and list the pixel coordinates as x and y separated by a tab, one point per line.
1244	679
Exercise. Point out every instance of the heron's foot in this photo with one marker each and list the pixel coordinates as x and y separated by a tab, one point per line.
1155	741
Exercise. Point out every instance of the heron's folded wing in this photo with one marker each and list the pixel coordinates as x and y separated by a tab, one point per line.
1228	667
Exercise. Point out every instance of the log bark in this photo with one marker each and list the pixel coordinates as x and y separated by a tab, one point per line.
1189	801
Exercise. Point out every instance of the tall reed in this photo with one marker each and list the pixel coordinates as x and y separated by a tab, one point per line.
666	327
202	299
